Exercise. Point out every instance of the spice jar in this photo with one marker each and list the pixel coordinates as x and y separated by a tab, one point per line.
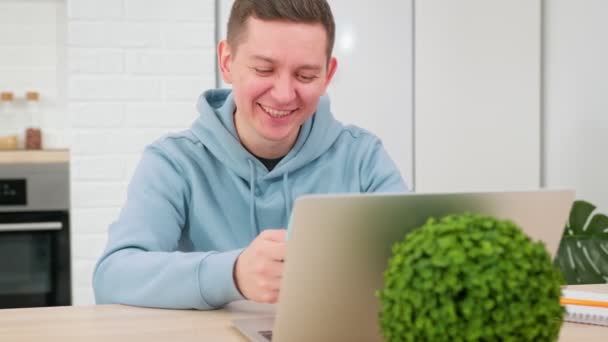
8	121
7	100
33	134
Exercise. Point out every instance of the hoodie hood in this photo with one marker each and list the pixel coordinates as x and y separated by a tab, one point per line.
216	130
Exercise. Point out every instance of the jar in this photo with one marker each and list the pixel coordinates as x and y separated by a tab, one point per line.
33	134
8	121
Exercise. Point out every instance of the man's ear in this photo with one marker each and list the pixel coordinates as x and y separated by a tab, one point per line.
224	59
332	66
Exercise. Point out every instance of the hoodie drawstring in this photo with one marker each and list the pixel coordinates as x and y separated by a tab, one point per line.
252	216
252	211
287	196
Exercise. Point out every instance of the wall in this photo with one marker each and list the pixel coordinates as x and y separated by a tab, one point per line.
575	101
135	69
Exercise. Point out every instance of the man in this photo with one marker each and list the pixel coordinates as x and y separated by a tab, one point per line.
204	220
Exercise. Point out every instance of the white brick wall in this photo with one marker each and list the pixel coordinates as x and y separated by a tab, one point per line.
92	9
96	61
135	69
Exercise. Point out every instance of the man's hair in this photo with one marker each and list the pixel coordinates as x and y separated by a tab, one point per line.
300	11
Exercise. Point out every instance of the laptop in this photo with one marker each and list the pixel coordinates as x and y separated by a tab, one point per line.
339	246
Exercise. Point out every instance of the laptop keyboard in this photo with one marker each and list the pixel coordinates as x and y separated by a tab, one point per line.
267	334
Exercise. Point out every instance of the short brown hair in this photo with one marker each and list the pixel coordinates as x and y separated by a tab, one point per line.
300	11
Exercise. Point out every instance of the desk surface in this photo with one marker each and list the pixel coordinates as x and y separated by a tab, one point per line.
116	323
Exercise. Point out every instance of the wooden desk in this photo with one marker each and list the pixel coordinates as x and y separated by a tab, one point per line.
116	323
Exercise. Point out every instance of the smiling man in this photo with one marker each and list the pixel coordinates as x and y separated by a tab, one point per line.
204	220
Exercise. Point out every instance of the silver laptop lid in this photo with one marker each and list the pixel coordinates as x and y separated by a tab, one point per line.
339	246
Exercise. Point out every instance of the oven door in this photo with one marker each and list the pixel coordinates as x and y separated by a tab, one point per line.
34	259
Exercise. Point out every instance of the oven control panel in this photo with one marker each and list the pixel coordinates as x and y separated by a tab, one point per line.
13	192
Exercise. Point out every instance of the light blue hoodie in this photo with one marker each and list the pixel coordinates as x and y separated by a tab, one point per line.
198	198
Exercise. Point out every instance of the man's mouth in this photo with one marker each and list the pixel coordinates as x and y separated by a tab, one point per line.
275	113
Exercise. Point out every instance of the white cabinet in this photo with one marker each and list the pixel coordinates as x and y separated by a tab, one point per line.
477	95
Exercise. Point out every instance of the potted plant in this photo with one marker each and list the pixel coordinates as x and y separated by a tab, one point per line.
469	277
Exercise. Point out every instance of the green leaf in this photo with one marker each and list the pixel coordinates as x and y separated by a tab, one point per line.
578	215
583	251
598	225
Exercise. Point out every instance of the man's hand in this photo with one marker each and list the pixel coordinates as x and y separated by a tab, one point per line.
259	269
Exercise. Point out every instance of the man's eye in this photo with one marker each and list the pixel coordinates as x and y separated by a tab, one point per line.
263	71
306	78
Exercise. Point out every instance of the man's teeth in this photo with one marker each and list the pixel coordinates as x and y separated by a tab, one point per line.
276	113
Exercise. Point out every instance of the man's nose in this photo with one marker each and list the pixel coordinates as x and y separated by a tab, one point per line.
283	90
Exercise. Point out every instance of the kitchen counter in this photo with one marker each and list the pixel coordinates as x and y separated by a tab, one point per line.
34	156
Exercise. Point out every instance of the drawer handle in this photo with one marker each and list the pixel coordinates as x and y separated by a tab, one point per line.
29	226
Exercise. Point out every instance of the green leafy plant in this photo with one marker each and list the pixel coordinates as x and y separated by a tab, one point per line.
583	250
470	278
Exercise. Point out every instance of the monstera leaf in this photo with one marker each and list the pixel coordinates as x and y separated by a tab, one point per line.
583	250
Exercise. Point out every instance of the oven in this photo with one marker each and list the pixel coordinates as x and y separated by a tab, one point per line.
35	265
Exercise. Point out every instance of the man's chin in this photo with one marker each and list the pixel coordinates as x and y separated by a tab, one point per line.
278	138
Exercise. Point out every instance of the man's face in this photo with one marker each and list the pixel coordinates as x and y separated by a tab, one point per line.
278	73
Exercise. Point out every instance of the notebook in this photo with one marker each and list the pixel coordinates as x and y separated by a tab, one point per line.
586	314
